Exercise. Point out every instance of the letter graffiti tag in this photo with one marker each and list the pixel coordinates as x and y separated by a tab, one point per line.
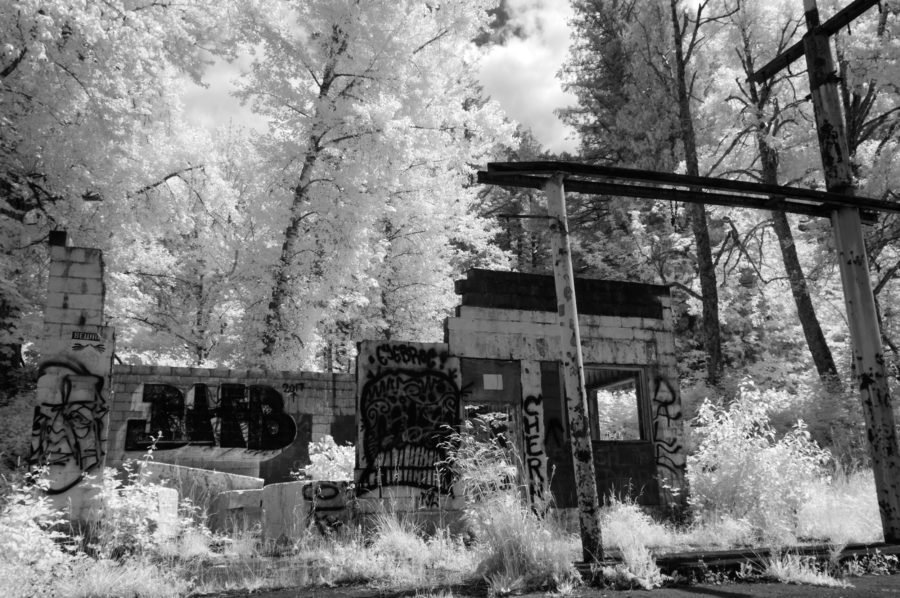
535	455
667	427
68	425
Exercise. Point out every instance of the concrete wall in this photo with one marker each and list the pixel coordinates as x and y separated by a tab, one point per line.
70	423
509	316
308	405
284	512
409	402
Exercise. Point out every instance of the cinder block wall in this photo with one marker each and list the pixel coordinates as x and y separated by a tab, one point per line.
320	404
511	316
75	291
70	420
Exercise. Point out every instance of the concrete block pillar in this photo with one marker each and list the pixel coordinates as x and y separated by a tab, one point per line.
69	431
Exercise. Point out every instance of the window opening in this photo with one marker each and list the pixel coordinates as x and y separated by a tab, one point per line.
614	397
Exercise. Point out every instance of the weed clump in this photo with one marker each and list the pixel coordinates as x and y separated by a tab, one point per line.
793	568
522	550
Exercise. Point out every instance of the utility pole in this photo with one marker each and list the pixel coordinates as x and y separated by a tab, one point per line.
573	374
868	357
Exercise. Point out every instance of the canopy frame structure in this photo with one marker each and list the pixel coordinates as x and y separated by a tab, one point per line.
839	203
556	177
609	181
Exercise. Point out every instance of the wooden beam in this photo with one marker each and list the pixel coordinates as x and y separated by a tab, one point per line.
829	27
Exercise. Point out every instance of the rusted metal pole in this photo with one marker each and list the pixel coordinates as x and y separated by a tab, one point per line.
868	357
573	374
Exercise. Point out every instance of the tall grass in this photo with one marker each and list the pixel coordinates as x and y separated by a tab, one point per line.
841	509
752	487
522	551
792	568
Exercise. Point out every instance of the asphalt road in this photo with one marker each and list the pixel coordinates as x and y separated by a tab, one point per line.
883	586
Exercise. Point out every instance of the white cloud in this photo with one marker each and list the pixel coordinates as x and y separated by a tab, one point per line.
214	105
521	74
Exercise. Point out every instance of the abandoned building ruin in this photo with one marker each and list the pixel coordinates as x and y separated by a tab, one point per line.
242	432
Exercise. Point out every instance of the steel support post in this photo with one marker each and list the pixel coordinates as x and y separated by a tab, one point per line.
865	332
573	374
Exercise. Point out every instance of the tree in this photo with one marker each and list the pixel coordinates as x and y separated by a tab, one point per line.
79	85
181	265
657	84
376	126
601	70
768	112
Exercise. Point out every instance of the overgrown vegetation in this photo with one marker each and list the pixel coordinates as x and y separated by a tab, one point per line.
753	486
328	461
522	550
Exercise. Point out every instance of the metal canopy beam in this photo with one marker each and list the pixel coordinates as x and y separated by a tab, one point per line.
627	182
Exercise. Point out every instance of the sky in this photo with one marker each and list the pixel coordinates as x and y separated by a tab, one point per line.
520	75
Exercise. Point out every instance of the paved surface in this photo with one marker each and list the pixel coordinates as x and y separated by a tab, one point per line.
884	586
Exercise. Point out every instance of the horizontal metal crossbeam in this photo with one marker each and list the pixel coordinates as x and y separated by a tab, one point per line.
626	182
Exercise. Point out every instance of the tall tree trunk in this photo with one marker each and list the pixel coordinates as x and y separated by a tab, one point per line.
706	269
281	287
815	338
809	321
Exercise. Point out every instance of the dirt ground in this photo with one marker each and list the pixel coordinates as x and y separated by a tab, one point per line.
884	586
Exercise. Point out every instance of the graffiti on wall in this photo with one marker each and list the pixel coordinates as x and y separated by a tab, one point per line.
535	455
326	504
240	416
409	405
294	457
68	433
667	432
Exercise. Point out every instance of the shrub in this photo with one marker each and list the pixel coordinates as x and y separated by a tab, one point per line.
125	515
742	470
329	461
31	558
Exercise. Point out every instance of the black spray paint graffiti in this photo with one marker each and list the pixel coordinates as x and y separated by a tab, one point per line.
408	355
250	417
535	455
667	427
326	504
407	418
68	425
408	414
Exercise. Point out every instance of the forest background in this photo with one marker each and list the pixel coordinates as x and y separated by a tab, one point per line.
349	211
